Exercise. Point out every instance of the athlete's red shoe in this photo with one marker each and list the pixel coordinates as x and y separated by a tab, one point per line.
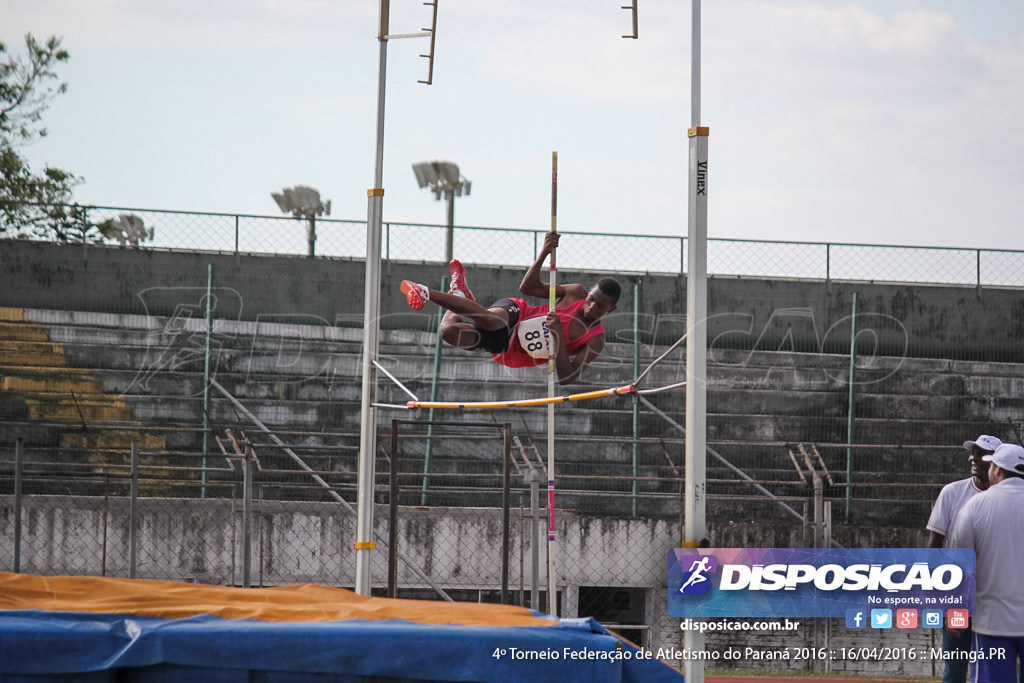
459	280
414	293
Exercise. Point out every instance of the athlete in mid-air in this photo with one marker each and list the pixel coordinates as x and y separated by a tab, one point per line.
514	331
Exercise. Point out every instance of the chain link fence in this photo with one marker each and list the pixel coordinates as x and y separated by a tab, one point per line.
260	511
247	516
624	253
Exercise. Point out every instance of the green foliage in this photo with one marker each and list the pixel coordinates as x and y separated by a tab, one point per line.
35	205
26	89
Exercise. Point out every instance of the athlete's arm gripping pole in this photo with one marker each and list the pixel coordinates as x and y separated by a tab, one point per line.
552	373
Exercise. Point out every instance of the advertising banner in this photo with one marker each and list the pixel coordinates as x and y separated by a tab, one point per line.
858	584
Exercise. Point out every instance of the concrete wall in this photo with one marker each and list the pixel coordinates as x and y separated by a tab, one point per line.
926	321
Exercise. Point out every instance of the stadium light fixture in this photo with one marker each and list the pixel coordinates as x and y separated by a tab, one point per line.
303	201
446	182
131	230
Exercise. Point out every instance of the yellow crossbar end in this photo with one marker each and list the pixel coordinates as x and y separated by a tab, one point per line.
375	192
365	545
691	544
698	131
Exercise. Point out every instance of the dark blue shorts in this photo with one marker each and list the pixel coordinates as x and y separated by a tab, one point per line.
496	341
1001	656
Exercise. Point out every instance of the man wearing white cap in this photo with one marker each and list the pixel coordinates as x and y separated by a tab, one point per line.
951	500
991	525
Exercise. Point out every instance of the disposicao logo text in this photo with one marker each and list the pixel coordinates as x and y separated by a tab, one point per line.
808	582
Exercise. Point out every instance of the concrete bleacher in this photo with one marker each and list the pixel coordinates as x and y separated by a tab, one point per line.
75	383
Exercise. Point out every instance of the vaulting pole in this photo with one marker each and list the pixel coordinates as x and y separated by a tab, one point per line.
552	374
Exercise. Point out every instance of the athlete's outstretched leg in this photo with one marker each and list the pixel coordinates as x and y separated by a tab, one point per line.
418	294
459	285
463	316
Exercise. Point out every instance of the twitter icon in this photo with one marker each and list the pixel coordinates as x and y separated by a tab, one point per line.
881	618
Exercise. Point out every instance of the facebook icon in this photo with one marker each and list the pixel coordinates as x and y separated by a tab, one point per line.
855	618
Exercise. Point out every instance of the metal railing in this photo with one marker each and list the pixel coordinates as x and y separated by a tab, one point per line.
592	251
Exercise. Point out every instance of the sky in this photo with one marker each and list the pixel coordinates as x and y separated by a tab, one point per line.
880	122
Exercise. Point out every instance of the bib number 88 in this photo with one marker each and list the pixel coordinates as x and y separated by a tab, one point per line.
534	337
533	341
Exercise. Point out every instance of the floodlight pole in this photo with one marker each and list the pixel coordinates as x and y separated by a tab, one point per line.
694	521
371	327
449	235
311	235
303	202
445	181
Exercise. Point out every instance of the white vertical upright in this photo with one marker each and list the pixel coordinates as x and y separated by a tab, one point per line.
694	526
371	326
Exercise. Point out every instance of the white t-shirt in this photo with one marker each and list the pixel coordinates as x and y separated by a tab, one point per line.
948	505
991	524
